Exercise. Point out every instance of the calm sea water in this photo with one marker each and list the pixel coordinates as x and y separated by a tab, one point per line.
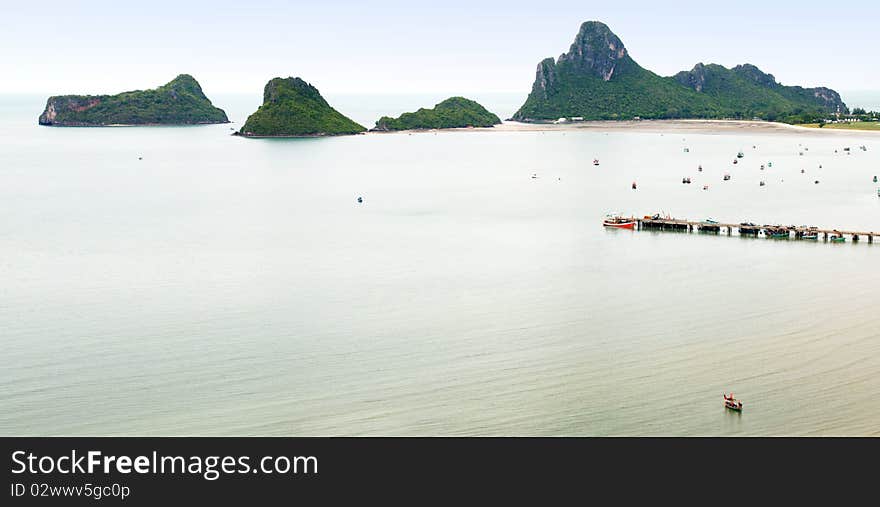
226	286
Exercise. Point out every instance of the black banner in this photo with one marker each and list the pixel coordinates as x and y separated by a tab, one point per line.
258	471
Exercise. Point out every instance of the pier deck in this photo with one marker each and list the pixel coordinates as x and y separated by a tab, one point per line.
744	229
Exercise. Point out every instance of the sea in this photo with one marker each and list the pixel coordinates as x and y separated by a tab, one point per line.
182	281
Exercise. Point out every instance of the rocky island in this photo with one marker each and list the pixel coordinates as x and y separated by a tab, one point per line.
454	112
294	108
180	102
598	80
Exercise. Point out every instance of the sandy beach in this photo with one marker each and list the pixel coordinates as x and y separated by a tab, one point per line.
657	126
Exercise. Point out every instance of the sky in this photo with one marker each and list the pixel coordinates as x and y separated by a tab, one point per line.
390	46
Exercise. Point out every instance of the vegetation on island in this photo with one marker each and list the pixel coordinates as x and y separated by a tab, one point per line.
180	102
294	108
454	112
846	125
598	80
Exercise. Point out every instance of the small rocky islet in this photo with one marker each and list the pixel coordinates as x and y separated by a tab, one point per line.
454	112
179	102
294	108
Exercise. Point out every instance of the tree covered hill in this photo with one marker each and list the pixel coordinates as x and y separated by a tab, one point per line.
598	80
179	102
454	112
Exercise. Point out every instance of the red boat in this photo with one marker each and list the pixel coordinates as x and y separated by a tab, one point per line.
732	403
619	222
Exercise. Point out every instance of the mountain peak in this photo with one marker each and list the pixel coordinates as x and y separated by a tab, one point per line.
596	49
753	73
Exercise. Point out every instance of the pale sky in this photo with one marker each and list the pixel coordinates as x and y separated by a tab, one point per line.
389	46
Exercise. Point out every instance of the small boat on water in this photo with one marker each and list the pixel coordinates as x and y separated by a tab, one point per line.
875	179
762	167
687	150
762	183
732	403
686	180
740	155
618	222
769	164
726	176
700	169
634	185
710	221
834	238
595	161
735	161
811	236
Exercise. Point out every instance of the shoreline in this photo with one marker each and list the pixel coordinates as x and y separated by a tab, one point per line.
657	126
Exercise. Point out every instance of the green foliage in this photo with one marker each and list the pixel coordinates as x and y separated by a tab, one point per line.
454	112
291	107
180	102
711	91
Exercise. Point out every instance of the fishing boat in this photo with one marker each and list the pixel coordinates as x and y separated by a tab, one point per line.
812	236
762	167
762	183
687	150
634	185
595	161
875	179
836	238
777	232
726	176
769	164
710	221
732	403
735	161
618	222
740	155
700	169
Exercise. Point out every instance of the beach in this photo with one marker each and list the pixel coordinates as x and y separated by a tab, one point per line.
656	126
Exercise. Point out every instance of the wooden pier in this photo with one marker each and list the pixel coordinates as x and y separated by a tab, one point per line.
751	230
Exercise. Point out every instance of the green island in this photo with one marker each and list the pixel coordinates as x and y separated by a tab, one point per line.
598	80
180	102
294	108
454	112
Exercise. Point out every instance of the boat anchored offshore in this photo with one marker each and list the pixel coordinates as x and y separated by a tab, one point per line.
618	222
732	403
595	161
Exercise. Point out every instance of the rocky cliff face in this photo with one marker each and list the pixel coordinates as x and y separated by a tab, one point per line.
695	78
67	103
595	50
